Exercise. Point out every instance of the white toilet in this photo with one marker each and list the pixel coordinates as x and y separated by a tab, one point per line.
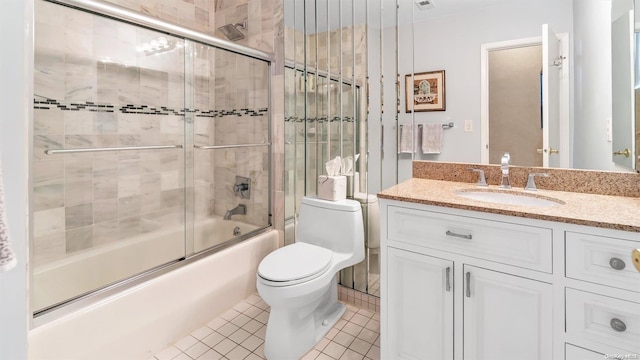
298	281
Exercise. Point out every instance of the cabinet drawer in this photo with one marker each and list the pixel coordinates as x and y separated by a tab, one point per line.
602	260
578	353
604	320
512	244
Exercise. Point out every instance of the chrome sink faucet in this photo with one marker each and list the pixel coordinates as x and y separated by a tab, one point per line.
505	183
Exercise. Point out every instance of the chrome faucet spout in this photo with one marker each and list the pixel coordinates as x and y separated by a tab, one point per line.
241	209
505	182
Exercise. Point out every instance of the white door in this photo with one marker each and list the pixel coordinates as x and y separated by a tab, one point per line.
505	316
420	307
623	124
552	64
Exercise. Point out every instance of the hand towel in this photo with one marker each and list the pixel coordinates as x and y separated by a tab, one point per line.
431	138
7	258
406	139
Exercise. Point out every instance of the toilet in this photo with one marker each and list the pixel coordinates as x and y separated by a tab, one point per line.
299	281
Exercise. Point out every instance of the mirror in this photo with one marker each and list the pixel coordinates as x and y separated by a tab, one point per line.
325	112
449	36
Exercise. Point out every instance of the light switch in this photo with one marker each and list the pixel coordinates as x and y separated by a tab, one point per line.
468	125
609	131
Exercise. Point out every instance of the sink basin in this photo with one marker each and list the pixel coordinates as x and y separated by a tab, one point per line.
510	198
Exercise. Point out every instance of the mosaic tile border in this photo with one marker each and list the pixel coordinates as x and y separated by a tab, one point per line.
49	104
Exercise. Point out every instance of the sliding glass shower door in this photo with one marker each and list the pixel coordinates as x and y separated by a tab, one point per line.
147	149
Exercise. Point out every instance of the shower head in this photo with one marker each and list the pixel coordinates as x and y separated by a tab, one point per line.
231	32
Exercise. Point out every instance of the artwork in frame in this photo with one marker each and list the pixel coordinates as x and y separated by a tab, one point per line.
428	91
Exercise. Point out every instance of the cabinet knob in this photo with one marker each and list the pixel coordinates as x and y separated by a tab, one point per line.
635	256
618	325
617	264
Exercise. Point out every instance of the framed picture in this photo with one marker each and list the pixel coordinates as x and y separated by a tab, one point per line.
428	91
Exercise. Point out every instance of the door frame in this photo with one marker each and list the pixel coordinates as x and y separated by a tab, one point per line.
564	145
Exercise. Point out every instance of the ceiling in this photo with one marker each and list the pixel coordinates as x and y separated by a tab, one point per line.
408	12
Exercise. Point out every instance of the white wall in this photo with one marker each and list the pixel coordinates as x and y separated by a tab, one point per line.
15	101
453	44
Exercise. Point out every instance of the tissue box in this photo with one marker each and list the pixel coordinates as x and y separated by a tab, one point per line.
332	187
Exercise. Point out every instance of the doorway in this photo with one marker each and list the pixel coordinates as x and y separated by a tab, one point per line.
515	104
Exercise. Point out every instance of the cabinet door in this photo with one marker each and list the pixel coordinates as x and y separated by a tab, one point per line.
505	316
420	307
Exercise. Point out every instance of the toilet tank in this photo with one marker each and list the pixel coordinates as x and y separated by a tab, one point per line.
335	225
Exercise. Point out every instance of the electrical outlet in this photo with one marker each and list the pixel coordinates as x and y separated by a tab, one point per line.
609	131
468	125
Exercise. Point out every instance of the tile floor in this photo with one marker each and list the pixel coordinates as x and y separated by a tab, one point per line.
239	334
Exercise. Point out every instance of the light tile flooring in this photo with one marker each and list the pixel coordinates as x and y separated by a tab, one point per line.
239	334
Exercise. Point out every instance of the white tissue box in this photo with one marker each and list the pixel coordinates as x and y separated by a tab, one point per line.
332	187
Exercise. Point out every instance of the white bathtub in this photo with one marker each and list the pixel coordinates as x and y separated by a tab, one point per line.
140	321
84	272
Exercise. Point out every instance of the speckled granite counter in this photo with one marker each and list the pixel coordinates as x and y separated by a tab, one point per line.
604	211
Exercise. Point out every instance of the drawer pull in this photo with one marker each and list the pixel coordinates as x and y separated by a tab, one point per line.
468	279
618	325
468	237
448	271
617	264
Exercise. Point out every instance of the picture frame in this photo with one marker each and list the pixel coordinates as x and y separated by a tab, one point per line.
427	91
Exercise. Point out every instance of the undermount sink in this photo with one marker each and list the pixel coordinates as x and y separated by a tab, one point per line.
509	198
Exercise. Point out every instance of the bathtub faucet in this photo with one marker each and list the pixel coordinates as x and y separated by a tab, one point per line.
238	210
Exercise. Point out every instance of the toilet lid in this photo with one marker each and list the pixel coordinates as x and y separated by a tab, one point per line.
295	262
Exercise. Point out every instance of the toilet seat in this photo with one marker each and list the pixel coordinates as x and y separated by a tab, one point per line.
294	264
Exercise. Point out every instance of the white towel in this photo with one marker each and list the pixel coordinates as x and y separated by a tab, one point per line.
431	138
406	139
7	258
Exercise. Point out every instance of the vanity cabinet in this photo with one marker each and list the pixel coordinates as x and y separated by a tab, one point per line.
420	306
500	313
505	316
463	285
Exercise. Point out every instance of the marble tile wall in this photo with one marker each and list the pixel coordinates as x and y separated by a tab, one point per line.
312	100
99	84
208	15
224	80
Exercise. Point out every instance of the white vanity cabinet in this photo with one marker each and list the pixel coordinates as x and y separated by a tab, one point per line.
437	262
596	317
466	285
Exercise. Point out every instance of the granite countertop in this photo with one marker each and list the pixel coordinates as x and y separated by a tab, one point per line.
604	211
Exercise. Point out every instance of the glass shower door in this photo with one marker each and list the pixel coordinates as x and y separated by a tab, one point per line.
108	159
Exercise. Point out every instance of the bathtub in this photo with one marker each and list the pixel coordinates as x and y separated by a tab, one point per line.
84	272
140	321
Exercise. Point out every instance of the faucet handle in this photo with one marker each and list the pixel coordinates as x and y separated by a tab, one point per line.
482	181
531	184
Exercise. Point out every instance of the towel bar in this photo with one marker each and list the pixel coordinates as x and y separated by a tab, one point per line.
444	126
125	148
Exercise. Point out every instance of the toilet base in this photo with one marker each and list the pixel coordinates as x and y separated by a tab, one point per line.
290	335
